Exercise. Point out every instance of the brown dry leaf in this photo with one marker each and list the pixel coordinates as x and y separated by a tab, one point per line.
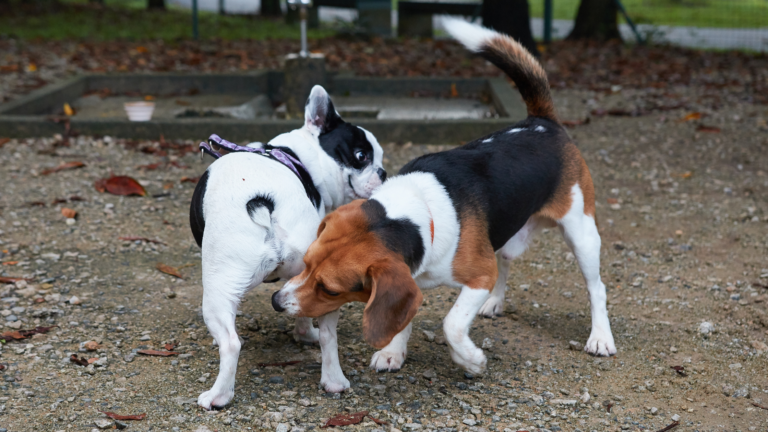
91	346
23	334
173	271
186	179
93	360
68	213
12	280
345	419
691	116
78	360
114	416
708	129
157	353
62	167
4	141
68	110
686	174
612	201
454	91
120	185
6	279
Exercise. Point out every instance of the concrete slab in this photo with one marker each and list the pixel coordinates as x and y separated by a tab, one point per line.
410	108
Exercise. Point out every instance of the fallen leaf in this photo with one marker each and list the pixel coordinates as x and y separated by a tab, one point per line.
149	98
78	361
93	360
345	419
377	421
12	335
31	67
2	367
169	270
144	239
186	179
157	353
68	110
114	416
686	174
141	49
709	129
68	213
6	279
287	363
574	123
91	346
680	370
4	141
170	346
23	334
64	166
10	279
612	201
454	91
120	185
150	167
691	116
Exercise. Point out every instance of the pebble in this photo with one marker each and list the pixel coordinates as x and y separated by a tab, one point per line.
129	357
706	328
576	346
103	423
675	417
74	300
487	343
428	374
429	336
277	379
282	427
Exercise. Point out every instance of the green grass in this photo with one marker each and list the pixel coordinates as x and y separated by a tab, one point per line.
129	20
696	13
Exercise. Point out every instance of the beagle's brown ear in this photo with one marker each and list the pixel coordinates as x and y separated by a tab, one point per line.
321	227
395	299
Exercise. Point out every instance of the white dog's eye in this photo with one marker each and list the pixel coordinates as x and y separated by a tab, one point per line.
360	156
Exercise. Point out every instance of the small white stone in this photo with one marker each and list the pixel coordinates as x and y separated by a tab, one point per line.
74	300
675	417
487	343
585	397
429	336
103	423
71	221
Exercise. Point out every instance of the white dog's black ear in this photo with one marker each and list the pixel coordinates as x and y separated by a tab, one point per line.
319	114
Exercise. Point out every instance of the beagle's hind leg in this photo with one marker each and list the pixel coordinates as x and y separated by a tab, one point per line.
580	232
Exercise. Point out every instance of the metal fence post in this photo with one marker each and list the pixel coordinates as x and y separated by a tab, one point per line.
221	7
195	33
547	21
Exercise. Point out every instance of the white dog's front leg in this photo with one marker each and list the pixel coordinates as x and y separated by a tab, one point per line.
392	357
219	313
333	379
456	328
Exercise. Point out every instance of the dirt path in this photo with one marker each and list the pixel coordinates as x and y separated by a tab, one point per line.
684	221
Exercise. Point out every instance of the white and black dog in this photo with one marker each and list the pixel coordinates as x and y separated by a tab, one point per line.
254	217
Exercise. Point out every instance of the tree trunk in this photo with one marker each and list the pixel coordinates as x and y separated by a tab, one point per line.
596	19
156	4
271	8
512	18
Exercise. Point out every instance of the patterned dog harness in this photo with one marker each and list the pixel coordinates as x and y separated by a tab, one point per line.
216	143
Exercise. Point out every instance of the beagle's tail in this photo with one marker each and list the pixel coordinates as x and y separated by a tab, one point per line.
510	57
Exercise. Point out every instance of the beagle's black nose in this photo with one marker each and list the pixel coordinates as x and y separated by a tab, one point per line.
382	174
276	306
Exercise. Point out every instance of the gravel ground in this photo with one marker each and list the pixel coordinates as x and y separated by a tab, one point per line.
684	222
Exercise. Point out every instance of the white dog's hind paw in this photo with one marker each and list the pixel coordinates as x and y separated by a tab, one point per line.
335	386
494	306
600	343
388	361
472	359
211	399
311	336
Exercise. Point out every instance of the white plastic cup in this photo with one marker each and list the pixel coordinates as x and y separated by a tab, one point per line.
139	111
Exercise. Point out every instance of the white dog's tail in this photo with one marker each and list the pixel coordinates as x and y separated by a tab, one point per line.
260	210
510	57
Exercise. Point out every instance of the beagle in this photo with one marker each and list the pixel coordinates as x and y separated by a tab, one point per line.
255	213
454	218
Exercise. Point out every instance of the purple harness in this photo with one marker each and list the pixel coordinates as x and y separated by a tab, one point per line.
215	143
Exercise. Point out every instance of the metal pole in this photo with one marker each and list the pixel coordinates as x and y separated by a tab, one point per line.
303	15
221	7
623	11
195	33
547	21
